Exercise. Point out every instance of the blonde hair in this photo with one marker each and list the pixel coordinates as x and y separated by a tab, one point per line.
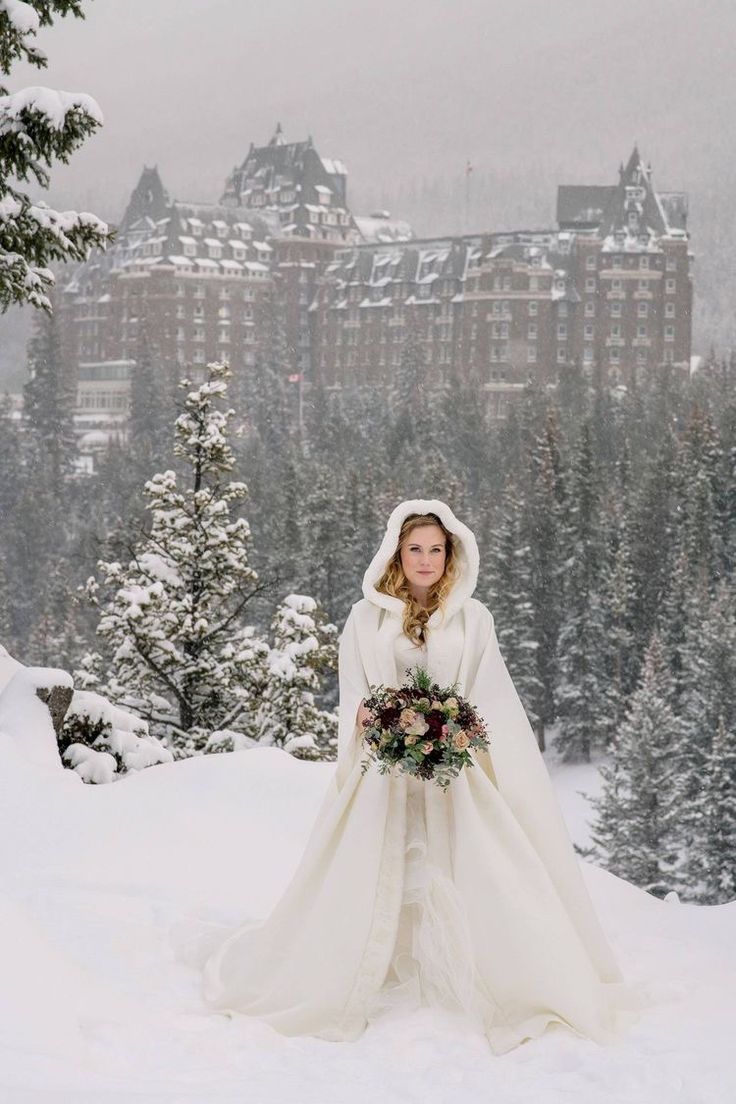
394	581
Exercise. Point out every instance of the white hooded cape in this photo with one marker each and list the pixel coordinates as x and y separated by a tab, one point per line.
316	965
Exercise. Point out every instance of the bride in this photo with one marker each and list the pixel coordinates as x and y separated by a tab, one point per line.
406	895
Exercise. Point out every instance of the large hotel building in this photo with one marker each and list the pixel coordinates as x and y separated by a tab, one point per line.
608	289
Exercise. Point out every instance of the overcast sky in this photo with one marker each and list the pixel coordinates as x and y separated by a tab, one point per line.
400	89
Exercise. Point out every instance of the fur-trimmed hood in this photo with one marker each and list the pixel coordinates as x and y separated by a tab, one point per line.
467	549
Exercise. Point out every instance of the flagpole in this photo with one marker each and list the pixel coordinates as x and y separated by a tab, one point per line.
468	171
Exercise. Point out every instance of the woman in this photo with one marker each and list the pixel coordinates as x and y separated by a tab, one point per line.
472	898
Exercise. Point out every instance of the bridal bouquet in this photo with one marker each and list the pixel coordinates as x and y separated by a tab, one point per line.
425	730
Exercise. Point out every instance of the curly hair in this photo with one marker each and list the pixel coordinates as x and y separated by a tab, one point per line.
394	581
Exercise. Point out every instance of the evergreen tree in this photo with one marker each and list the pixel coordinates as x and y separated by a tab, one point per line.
510	599
49	398
618	595
635	833
717	808
182	656
304	646
543	527
151	405
707	703
582	692
36	126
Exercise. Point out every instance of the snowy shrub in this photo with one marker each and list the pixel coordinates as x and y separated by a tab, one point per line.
226	740
101	742
304	645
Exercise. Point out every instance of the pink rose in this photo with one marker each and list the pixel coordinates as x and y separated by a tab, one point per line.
427	746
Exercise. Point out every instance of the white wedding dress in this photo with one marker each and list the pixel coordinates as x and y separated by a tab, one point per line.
433	961
469	899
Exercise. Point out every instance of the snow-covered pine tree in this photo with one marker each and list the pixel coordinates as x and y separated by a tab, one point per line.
618	596
181	654
582	690
717	801
707	702
543	524
150	408
510	598
36	126
328	562
49	398
304	645
702	528
635	833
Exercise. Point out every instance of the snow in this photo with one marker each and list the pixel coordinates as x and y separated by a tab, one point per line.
96	1007
22	16
48	102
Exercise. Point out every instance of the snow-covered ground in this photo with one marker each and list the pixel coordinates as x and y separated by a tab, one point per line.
95	1006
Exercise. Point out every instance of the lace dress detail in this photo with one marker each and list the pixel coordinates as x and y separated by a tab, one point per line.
432	961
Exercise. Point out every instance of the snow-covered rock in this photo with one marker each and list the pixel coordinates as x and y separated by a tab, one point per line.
27	699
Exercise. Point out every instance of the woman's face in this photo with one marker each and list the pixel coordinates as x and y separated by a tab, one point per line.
423	555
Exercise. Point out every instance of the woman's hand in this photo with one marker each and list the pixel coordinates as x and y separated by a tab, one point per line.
363	714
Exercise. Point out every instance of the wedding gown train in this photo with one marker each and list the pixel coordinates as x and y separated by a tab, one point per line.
452	908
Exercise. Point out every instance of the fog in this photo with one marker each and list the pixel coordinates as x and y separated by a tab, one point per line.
399	89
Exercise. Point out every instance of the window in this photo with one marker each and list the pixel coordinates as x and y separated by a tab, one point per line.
643	262
561	331
531	330
531	354
669	333
617	261
614	356
507	283
670	286
590	262
562	310
641	331
669	310
590	309
616	285
533	307
615	310
588	332
561	354
534	283
643	285
590	284
672	264
615	330
588	354
642	310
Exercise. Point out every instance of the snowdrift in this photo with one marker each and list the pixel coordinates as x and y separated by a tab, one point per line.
95	1005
